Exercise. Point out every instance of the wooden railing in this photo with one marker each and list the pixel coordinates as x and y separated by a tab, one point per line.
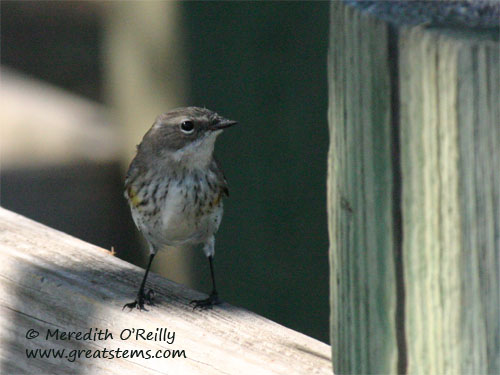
53	284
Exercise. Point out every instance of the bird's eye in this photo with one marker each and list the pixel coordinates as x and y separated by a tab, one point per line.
187	127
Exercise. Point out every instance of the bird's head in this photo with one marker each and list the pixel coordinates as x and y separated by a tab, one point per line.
185	135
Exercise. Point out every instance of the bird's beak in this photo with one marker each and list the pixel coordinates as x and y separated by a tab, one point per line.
222	123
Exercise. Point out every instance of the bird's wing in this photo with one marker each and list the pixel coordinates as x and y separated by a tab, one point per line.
223	185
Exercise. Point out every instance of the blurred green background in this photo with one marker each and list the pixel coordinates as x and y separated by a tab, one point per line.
261	63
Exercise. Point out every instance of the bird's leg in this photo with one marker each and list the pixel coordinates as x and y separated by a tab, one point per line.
141	296
213	298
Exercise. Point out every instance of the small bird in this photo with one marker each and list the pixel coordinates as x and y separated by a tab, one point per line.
174	187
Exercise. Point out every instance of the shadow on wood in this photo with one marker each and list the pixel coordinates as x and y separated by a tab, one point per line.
52	281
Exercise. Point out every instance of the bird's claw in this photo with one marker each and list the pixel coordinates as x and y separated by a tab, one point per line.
139	301
208	303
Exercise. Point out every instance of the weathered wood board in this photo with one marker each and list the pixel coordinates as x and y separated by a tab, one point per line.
362	277
51	281
450	158
414	187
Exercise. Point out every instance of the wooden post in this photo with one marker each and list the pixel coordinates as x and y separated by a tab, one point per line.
414	187
360	196
52	283
450	158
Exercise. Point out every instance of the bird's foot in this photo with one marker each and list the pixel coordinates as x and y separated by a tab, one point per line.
208	303
139	301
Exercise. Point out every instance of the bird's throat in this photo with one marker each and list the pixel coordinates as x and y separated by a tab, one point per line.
196	155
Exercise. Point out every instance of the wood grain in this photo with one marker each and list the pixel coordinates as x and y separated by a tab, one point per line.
450	136
51	280
414	233
362	278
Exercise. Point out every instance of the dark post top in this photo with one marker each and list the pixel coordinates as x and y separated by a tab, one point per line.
463	14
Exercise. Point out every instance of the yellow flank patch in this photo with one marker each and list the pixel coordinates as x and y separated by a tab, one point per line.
217	199
134	198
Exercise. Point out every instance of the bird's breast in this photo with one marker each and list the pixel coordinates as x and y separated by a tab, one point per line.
179	208
191	213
